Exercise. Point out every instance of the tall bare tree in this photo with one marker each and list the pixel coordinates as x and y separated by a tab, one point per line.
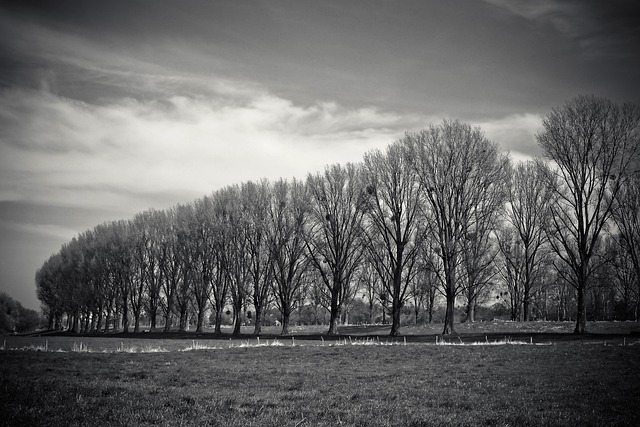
185	253
392	220
153	268
479	251
122	266
592	142
218	242
172	267
334	237
239	256
626	214
528	212
458	169
287	220
256	200
202	233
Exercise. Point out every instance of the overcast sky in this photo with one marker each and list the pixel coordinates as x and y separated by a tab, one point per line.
110	108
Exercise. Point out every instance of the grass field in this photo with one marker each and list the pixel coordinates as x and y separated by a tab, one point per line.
533	377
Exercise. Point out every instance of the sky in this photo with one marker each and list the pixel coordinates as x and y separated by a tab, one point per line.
111	108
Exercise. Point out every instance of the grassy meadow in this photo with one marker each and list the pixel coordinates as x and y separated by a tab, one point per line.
500	375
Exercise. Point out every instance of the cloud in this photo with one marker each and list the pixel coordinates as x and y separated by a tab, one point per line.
515	133
154	153
63	150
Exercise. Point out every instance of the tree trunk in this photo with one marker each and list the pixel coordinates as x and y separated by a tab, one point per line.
285	323
257	327
200	324
333	323
153	312
218	326
184	320
396	305
167	317
526	303
136	321
448	317
450	292
335	314
125	318
237	317
395	323
471	312
581	318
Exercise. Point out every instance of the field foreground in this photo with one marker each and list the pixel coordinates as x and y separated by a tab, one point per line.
358	381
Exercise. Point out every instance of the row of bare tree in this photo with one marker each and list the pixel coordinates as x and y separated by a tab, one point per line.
442	208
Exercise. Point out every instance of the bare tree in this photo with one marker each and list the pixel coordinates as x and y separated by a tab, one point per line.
256	200
458	169
334	236
529	213
218	244
287	217
626	214
512	267
154	261
186	261
122	266
392	219
141	238
370	284
171	265
202	233
479	250
592	142
238	255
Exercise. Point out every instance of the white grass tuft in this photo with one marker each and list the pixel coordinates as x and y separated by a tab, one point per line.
505	341
247	344
195	345
149	349
366	342
79	348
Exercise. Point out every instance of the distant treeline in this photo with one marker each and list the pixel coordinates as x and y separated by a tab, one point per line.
440	213
15	318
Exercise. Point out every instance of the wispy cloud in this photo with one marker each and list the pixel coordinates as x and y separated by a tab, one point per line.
172	144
